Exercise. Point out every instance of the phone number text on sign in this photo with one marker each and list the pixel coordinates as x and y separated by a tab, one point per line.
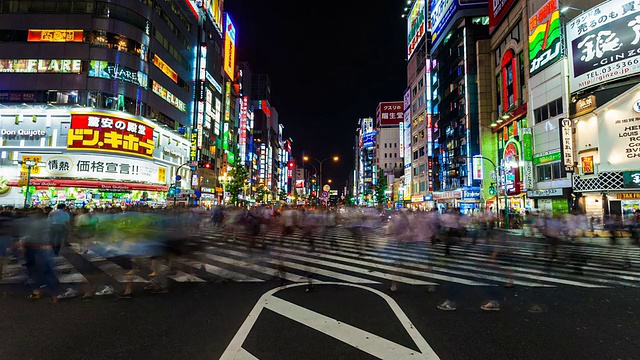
98	132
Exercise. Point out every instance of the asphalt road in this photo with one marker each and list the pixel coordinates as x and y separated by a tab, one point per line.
199	321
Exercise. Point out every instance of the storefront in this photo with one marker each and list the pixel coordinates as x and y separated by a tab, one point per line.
447	200
422	202
86	156
607	178
551	201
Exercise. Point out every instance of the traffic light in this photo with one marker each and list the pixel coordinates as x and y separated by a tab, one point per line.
492	190
291	165
172	191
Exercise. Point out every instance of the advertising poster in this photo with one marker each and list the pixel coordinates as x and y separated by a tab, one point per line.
603	44
229	47
587	165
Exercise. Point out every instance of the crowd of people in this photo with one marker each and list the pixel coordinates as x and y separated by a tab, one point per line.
140	235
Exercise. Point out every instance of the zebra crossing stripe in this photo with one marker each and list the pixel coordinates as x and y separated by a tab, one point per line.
254	267
485	277
394	269
218	271
65	272
484	258
358	270
180	276
115	271
307	268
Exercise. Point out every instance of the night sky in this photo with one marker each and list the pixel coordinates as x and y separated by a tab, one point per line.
329	65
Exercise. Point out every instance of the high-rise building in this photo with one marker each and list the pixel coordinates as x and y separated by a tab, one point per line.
388	150
455	68
84	78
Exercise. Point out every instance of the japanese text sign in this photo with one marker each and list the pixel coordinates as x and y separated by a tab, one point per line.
57	35
497	11
415	26
567	144
390	113
98	132
603	44
587	165
545	46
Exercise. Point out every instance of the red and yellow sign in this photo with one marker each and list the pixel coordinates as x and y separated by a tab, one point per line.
166	69
587	164
229	47
58	35
106	133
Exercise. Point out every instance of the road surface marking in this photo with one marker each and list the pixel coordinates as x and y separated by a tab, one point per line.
360	339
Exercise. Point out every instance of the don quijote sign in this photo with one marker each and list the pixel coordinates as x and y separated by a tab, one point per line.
23	133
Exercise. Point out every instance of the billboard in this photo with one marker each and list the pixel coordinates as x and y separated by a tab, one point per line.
545	45
415	26
445	12
106	133
229	46
497	11
603	44
113	71
40	66
213	8
390	113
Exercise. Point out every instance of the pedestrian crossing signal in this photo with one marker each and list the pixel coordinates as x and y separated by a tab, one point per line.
492	190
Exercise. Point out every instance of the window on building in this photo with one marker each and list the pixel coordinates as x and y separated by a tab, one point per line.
395	145
415	171
421	150
509	82
422	169
395	155
415	155
423	186
549	110
385	155
550	171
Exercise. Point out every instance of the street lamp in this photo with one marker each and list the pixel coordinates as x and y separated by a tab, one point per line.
29	164
335	158
329	181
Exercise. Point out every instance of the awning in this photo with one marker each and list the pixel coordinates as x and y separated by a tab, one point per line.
92	184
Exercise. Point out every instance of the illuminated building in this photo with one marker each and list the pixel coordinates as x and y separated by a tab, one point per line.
456	97
123	63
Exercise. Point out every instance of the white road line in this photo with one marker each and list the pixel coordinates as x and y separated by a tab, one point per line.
218	271
307	268
111	269
360	339
254	267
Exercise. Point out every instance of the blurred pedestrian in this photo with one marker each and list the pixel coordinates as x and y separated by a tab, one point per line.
58	227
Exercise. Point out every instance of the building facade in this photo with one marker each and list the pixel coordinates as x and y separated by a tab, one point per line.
82	75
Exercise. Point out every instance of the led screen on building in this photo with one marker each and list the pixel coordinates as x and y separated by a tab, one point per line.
57	35
446	12
108	70
229	47
40	66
